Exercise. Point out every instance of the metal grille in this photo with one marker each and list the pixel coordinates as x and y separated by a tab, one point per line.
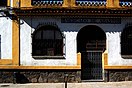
126	3
95	45
47	41
47	2
48	47
92	65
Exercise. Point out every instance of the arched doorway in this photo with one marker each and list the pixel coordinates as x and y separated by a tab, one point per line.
91	43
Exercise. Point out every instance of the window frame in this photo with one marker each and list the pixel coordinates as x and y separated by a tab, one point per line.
55	29
126	41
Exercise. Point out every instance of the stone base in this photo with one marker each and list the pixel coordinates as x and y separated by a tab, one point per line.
58	76
119	75
39	76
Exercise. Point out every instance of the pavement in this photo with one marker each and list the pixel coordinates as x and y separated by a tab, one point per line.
124	84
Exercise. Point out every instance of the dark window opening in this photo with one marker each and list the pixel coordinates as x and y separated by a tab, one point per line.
47	41
126	41
91	38
3	2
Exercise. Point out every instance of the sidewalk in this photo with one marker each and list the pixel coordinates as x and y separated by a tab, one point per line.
127	84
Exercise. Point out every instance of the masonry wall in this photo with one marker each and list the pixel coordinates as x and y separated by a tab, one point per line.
5	37
40	76
119	75
70	30
30	25
114	44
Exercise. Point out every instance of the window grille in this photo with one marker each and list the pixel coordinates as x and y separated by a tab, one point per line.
47	41
96	45
92	65
126	41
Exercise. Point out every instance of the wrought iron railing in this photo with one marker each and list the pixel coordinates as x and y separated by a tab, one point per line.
126	3
47	2
91	2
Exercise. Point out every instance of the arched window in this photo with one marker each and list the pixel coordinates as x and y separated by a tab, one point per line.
126	41
47	41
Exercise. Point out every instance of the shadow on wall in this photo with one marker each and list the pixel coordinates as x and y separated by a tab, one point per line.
20	78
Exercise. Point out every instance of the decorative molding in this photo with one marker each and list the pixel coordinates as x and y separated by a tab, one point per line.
73	12
40	67
5	61
106	67
92	20
46	23
117	67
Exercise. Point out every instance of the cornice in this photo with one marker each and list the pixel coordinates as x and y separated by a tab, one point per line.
72	11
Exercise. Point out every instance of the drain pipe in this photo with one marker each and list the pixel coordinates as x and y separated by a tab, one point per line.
14	77
65	80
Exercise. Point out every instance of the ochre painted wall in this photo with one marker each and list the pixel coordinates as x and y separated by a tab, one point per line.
67	3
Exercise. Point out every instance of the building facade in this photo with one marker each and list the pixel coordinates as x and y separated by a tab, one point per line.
49	41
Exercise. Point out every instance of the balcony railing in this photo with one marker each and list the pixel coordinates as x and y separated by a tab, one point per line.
126	3
47	2
91	2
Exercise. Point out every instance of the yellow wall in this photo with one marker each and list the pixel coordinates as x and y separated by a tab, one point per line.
113	3
67	3
15	42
